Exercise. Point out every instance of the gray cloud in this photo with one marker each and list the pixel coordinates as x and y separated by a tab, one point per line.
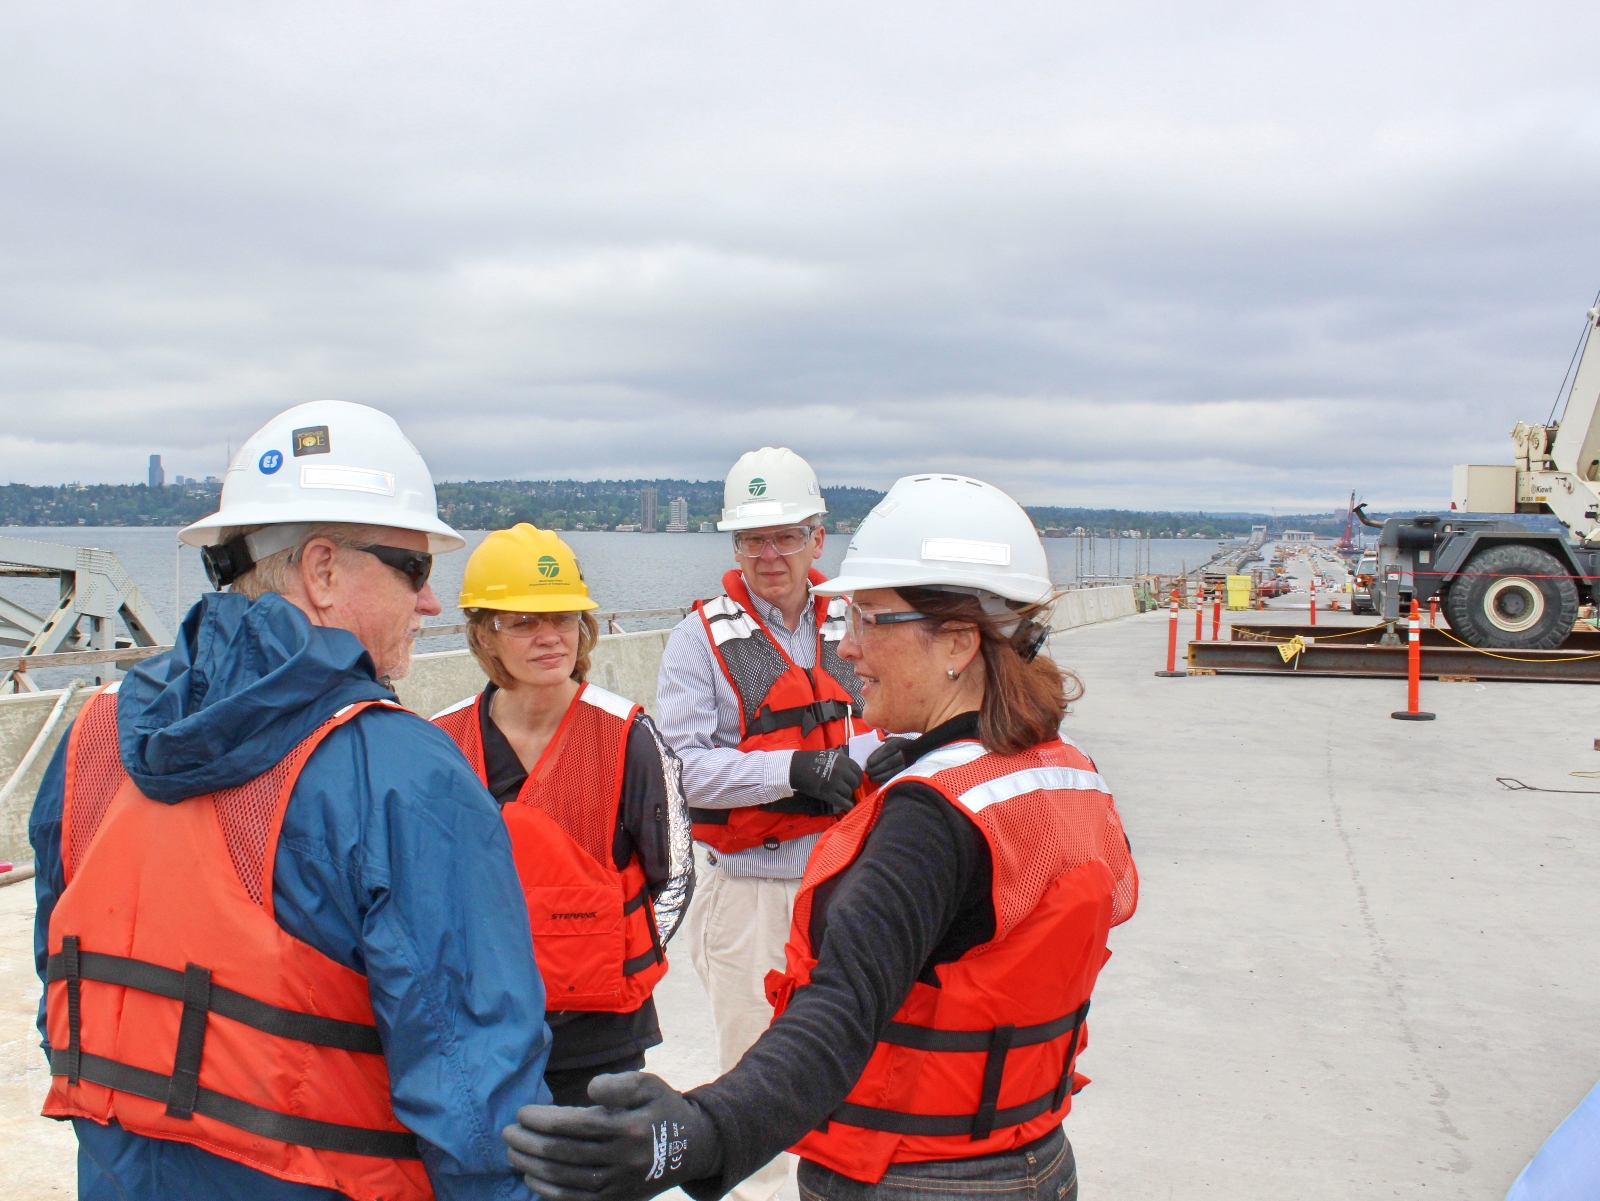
1159	254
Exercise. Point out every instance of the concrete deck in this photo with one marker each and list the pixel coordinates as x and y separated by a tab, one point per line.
1360	968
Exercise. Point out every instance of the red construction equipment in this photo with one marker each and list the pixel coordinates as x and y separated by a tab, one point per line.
1347	541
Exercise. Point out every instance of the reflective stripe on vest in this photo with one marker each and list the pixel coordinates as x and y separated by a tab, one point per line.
1019	1001
782	706
562	823
195	878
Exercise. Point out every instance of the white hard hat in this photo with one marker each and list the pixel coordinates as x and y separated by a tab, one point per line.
329	460
770	486
945	531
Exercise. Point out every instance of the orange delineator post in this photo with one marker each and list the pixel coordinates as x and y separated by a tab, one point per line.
1433	612
1216	614
1199	614
1414	671
1172	641
1313	598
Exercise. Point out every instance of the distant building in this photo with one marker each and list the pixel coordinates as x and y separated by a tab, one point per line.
678	515
844	527
1297	536
708	527
626	529
158	477
647	509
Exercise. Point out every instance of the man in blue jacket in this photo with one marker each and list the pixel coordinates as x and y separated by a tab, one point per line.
392	859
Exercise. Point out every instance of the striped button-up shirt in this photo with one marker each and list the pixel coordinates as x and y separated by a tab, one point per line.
697	712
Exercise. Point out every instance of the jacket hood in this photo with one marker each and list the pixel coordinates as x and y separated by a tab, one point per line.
245	683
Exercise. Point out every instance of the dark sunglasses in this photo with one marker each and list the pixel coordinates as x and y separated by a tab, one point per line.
415	565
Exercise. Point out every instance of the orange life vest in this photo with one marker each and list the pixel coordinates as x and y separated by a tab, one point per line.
984	1062
179	1008
594	930
782	707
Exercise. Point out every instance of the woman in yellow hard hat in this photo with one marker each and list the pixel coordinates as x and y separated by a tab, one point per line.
591	796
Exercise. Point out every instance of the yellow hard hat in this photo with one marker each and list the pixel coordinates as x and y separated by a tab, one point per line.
524	570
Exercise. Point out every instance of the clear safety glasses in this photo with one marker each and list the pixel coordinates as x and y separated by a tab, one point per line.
790	540
528	625
855	618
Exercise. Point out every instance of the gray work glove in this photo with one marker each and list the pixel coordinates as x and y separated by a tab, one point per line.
640	1138
888	760
829	776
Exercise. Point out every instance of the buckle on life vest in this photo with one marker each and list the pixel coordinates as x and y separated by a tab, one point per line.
807	717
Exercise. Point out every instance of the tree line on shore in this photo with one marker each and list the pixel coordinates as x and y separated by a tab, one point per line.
593	505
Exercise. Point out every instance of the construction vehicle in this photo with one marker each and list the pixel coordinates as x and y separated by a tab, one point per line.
1500	584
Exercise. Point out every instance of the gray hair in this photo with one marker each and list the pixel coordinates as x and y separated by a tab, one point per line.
271	574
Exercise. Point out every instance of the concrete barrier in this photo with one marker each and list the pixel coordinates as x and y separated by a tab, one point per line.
626	664
1089	606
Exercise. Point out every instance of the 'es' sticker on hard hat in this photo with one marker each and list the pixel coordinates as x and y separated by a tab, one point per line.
313	440
270	462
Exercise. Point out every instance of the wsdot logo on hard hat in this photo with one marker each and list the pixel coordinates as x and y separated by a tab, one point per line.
758	487
548	567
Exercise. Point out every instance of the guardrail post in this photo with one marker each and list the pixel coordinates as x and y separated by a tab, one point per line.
1172	641
1414	671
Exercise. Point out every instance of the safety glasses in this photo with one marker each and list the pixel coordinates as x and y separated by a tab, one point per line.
855	618
415	565
528	625
790	540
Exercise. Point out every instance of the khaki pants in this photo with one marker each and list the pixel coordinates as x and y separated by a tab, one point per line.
736	927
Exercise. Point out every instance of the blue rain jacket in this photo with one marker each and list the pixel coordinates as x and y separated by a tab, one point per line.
393	860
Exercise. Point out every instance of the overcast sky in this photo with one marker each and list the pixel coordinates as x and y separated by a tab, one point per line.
1131	255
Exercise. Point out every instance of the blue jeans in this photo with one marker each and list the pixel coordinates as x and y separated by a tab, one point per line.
1044	1170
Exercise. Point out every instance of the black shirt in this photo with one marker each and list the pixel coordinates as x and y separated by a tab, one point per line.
581	1038
919	894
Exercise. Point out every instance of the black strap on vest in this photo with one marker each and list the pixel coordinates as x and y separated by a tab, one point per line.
69	970
165	982
996	1044
267	1123
181	1091
632	967
807	717
191	1042
799	803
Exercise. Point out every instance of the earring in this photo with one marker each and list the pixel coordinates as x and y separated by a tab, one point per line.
954	675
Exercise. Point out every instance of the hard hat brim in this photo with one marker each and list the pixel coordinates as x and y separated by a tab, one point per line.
791	515
208	530
867	575
535	604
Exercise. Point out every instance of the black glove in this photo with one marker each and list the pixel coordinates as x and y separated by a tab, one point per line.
829	776
888	760
640	1138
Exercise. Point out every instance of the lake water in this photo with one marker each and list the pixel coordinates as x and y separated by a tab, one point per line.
624	571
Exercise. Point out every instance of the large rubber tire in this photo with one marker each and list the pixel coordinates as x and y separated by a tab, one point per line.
1514	597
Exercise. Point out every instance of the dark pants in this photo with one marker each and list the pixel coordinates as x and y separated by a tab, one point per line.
570	1086
1043	1170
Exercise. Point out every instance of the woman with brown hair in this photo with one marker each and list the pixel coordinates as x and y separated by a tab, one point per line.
591	796
948	932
